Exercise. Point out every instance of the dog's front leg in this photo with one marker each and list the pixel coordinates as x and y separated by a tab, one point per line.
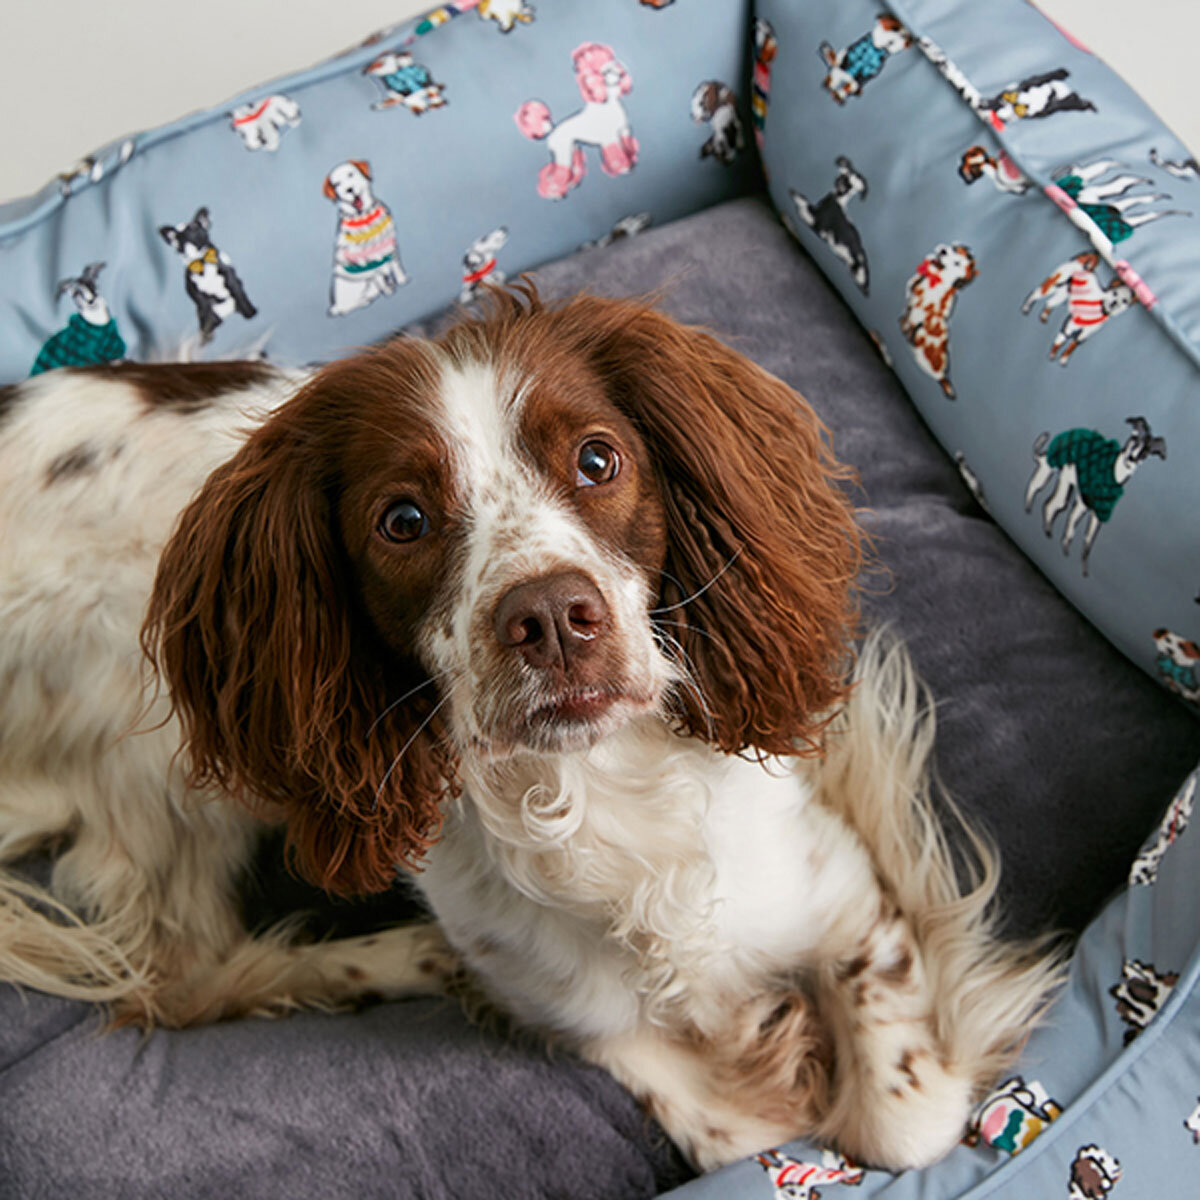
898	1102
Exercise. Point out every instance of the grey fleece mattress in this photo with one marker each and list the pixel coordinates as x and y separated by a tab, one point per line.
1065	751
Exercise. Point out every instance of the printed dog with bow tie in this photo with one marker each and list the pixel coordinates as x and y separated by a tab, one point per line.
211	282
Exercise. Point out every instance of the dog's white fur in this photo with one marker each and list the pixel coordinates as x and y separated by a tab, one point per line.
672	913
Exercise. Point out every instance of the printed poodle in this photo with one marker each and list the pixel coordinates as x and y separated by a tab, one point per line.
1090	305
601	122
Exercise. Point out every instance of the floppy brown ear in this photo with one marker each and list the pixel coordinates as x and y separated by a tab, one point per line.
763	549
250	623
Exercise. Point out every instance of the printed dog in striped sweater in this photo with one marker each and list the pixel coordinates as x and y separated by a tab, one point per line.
366	258
1089	304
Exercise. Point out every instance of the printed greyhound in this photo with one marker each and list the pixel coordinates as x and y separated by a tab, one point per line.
1093	468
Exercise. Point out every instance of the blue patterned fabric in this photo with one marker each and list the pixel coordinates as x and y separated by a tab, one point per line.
1021	235
450	124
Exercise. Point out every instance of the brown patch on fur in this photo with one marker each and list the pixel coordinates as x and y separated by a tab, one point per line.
855	967
897	972
8	395
779	1066
355	973
184	386
79	460
906	1067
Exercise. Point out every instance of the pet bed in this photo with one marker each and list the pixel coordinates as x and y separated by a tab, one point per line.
1049	736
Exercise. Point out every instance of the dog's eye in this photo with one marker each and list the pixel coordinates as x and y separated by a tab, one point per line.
598	462
404	522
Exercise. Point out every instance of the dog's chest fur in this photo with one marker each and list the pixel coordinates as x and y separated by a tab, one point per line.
645	879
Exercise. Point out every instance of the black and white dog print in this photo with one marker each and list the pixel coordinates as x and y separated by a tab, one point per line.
211	282
828	220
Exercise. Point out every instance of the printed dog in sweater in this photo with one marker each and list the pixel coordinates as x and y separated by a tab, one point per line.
1090	305
1094	469
90	336
366	259
851	69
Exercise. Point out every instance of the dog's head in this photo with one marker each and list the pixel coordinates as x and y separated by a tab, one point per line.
349	185
512	540
191	238
598	70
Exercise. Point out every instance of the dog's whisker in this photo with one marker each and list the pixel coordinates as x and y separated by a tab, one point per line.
403	749
690	628
411	692
700	591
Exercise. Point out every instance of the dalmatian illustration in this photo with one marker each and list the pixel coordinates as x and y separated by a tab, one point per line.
602	122
507	14
795	1180
1093	468
1140	995
828	220
1090	305
1178	664
1034	98
366	259
626	227
766	46
479	264
261	124
90	335
405	82
1107	202
1181	168
1192	1124
209	278
1013	1115
851	69
1145	867
1094	1173
972	481
929	299
714	102
977	163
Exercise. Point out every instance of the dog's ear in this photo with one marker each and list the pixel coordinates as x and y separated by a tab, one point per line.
251	623
202	219
763	548
362	165
170	235
328	188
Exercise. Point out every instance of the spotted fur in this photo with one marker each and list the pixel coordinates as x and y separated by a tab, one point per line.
611	717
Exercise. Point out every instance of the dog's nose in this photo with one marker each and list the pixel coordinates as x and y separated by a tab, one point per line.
553	621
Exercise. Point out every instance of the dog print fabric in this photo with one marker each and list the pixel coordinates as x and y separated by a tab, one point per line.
1002	152
90	335
429	105
602	123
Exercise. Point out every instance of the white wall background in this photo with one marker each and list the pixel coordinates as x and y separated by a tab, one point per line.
75	74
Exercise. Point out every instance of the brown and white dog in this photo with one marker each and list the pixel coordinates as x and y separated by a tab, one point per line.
557	605
929	298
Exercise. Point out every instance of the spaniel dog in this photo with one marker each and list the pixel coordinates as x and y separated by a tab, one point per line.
556	607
